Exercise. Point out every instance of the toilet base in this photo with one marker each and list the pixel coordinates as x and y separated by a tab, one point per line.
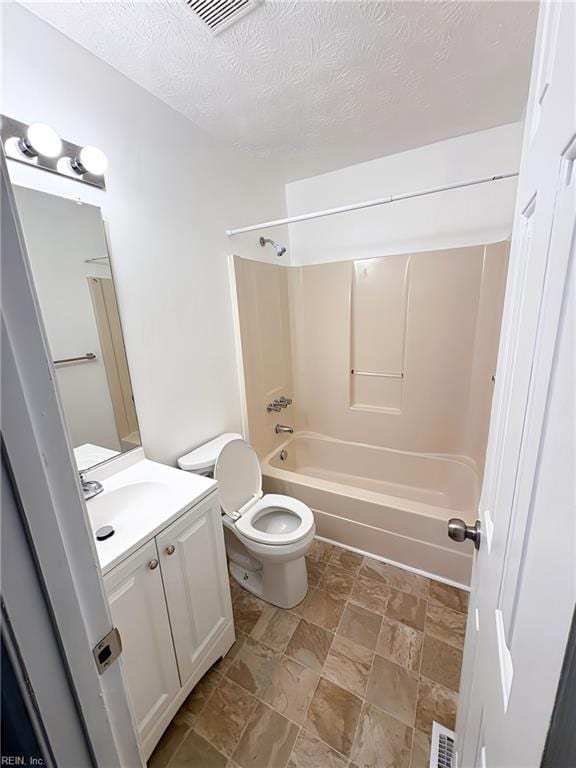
281	584
248	580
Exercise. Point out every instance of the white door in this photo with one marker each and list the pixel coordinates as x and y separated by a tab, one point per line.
524	584
139	611
193	561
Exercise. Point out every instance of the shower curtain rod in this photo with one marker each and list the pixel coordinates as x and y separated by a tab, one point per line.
367	204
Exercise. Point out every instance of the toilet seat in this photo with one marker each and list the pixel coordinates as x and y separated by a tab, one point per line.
240	489
267	505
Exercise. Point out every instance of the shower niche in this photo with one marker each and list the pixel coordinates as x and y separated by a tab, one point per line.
378	316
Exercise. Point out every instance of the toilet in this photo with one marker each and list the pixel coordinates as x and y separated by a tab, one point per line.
266	535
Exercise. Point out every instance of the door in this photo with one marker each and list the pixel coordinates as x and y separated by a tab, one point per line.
138	608
524	583
61	562
193	562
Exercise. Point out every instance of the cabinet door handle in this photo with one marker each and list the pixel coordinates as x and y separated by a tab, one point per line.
153	564
170	549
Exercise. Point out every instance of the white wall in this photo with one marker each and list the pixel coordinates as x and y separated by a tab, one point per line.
171	192
452	219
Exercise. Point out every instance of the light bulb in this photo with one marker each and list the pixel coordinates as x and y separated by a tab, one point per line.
93	160
43	140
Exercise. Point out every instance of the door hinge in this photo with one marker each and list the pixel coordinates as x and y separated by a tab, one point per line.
107	650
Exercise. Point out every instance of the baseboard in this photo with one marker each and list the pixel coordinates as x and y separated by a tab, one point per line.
405	567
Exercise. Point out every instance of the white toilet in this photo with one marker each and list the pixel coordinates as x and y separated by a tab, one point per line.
266	536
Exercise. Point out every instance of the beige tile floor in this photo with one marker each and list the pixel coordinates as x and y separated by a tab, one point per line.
353	676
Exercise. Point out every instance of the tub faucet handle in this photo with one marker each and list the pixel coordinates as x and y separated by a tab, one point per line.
282	403
285	400
271	407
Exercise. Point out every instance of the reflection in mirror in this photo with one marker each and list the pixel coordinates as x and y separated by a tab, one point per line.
67	249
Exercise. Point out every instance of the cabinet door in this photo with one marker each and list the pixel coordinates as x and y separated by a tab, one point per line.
193	560
138	609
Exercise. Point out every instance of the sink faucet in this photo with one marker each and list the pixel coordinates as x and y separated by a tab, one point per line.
280	428
90	488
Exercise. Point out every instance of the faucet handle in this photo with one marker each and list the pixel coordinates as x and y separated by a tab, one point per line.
272	407
282	403
285	400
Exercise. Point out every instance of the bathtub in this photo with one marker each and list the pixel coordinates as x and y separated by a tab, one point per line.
392	504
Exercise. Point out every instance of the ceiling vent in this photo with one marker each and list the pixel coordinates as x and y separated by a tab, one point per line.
218	15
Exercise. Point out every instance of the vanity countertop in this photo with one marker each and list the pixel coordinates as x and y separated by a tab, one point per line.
138	501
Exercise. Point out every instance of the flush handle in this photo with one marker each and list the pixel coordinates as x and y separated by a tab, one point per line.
459	531
170	549
152	564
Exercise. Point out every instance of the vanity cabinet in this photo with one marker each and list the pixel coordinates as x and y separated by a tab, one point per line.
171	603
192	554
136	597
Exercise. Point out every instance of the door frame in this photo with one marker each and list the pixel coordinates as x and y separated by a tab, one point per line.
53	517
32	646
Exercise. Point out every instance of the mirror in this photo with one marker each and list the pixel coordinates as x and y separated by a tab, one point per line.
70	263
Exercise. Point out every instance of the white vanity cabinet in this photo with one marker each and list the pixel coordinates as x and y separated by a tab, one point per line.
193	560
171	603
136	595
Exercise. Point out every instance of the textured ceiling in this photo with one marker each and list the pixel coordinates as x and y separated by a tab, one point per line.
319	85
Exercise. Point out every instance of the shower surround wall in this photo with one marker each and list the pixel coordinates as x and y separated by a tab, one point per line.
264	318
429	319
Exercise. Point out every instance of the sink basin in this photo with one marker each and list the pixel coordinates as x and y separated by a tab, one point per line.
109	506
139	499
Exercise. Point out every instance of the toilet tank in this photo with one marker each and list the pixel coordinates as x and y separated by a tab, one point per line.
202	460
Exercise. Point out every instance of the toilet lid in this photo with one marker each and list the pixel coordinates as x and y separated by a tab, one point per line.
238	475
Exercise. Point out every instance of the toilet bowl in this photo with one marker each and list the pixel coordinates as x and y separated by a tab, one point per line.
266	535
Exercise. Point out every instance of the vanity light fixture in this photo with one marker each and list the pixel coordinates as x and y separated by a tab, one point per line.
40	146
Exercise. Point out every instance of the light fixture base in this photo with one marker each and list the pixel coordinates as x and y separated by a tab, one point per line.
26	147
77	166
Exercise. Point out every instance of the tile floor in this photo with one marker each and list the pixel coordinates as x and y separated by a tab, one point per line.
353	676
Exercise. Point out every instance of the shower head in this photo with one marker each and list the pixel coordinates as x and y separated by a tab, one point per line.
280	250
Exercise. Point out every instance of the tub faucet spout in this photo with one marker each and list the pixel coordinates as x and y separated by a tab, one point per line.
280	429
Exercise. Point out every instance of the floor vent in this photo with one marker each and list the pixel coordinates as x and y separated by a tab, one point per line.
442	749
218	15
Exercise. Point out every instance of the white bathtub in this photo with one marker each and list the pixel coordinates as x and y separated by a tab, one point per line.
393	504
